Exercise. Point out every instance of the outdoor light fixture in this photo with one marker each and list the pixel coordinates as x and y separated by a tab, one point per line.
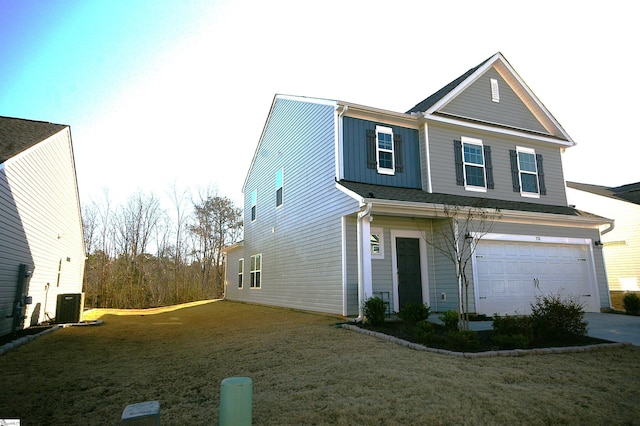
598	243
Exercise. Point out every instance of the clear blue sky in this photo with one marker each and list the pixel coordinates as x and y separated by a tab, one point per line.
158	92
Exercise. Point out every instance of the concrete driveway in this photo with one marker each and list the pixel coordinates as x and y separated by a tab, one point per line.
614	327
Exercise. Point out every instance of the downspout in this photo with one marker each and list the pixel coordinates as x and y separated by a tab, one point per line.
612	225
362	215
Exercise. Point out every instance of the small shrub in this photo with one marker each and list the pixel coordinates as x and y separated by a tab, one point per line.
412	313
463	340
555	319
631	303
511	332
426	333
450	319
374	311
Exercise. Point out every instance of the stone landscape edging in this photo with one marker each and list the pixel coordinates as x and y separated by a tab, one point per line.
486	354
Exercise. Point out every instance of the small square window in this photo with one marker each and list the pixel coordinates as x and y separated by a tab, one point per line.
377	243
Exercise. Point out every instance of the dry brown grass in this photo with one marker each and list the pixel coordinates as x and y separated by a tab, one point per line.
304	370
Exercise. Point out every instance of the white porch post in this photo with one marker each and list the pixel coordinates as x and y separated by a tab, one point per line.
365	287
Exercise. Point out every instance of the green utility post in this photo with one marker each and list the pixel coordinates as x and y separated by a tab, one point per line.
236	395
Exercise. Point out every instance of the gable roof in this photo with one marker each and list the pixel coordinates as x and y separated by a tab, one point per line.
629	192
17	135
432	106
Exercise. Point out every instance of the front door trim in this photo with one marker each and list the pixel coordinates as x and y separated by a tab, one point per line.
407	233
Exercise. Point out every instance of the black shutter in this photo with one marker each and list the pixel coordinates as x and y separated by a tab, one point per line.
488	167
543	188
397	152
457	151
372	162
515	172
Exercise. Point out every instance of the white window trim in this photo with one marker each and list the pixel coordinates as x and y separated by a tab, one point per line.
523	193
384	170
380	233
241	274
473	141
254	203
251	272
281	171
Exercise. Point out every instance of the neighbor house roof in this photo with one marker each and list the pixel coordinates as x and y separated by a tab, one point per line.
17	135
371	192
629	192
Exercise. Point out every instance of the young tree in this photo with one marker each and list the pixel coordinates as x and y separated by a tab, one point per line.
216	224
456	238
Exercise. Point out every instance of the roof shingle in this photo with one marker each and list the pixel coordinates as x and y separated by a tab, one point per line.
17	135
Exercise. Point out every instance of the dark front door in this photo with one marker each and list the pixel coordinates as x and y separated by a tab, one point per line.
409	276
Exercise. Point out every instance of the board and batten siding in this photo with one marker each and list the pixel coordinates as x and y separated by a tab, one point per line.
301	240
355	155
443	173
476	103
622	245
40	226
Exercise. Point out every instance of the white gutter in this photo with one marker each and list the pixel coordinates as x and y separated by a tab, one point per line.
363	270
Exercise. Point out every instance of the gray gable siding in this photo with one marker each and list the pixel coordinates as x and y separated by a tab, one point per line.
300	241
355	155
443	175
475	103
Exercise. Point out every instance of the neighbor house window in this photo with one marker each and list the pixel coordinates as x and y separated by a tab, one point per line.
384	150
279	184
473	161
377	243
528	170
240	272
256	270
254	204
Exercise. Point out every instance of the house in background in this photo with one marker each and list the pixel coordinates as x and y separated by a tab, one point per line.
621	246
341	198
41	238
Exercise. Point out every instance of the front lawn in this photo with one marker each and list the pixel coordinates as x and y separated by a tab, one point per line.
305	370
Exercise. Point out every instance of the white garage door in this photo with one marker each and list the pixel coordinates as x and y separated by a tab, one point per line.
511	274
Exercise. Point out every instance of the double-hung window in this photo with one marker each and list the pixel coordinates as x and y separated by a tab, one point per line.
279	186
385	150
256	270
474	166
240	272
254	204
527	167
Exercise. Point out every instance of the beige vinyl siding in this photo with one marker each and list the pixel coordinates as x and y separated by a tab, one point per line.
622	245
231	271
42	198
443	174
475	103
301	241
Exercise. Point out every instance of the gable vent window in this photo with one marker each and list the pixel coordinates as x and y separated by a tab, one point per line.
473	164
495	90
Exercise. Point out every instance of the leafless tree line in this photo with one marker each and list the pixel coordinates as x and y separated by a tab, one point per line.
141	255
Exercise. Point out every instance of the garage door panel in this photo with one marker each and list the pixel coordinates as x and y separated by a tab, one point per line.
511	274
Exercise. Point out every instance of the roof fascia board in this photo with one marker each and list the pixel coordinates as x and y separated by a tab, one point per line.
408	208
351	194
266	124
501	130
382	115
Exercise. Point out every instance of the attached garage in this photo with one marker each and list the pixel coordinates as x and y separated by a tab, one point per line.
510	271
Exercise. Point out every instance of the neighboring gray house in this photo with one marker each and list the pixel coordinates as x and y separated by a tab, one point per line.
340	197
41	239
621	246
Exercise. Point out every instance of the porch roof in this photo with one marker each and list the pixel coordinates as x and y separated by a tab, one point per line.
373	193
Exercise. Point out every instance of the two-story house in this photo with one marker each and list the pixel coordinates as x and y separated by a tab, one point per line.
42	250
340	200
